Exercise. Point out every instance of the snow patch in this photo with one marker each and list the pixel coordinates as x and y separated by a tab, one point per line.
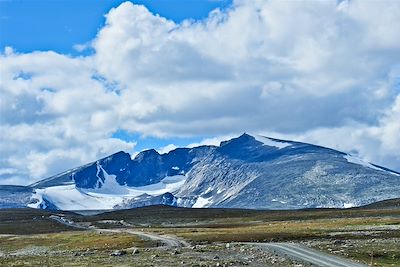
348	205
269	142
37	201
359	161
110	184
202	202
280	201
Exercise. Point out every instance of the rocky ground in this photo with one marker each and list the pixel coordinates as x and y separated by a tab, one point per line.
217	254
175	237
372	251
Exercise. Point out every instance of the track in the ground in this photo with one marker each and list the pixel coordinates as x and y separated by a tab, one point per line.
309	255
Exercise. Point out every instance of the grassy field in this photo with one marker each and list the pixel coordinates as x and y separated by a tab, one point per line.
69	248
30	238
279	231
30	221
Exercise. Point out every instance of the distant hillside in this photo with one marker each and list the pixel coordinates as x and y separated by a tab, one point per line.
385	204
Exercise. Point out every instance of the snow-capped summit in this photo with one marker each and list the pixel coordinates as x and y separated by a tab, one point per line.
249	171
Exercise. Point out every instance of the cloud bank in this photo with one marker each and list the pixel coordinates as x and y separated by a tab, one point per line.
323	72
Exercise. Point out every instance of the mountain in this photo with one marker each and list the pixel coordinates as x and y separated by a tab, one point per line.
249	171
14	196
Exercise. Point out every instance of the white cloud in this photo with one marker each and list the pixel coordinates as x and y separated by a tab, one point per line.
54	116
166	148
215	141
316	71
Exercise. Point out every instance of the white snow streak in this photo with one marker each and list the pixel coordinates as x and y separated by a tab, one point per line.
269	142
359	161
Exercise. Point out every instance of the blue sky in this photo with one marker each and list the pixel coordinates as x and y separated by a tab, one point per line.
58	25
323	72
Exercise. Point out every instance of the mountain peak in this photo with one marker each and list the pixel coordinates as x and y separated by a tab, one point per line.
150	153
254	140
120	155
240	140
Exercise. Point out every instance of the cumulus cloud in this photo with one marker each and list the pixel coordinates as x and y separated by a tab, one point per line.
54	116
323	72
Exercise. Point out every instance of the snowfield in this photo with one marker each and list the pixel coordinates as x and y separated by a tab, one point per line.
110	193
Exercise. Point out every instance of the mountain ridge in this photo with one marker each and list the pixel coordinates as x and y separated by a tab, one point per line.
248	171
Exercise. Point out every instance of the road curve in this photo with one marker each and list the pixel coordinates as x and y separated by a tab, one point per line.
166	240
169	241
309	255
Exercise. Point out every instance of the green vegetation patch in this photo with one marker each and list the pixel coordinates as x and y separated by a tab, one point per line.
72	241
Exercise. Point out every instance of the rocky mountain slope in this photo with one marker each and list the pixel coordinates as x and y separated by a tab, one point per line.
249	171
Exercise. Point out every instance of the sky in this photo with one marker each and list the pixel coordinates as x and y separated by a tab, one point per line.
80	80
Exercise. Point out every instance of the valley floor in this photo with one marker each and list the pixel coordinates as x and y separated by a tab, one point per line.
165	236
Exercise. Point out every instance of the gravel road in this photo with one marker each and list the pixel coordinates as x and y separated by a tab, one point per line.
309	255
